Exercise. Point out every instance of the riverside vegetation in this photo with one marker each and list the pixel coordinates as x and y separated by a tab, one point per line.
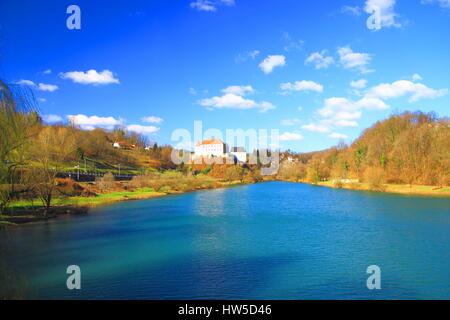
407	153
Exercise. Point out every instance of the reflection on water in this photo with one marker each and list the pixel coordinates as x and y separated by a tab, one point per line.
211	203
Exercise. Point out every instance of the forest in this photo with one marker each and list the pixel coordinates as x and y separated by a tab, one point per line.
407	148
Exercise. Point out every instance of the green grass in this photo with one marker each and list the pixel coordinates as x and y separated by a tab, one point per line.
100	199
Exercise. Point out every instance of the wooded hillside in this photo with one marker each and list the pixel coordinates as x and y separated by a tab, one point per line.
408	148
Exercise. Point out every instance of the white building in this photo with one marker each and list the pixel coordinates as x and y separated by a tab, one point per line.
239	154
211	148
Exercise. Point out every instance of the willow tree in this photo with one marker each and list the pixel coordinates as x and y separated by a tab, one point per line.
53	149
16	128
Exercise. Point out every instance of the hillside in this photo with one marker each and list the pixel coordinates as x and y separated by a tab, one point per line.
408	148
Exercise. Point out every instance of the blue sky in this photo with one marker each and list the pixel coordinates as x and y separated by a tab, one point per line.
312	69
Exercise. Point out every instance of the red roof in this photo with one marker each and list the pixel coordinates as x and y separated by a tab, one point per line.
211	141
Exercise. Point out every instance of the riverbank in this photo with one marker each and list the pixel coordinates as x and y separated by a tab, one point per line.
26	211
413	190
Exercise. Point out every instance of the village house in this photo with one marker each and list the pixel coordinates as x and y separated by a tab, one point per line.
123	145
211	148
215	148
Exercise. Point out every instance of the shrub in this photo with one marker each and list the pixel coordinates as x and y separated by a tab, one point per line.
106	182
375	177
140	182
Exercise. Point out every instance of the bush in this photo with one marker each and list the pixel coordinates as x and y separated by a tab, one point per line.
338	184
106	182
312	175
140	182
375	177
234	173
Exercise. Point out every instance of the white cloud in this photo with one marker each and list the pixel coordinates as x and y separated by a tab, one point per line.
229	3
371	103
346	123
229	100
92	122
320	60
318	128
48	71
382	14
152	119
272	62
336	135
203	5
91	77
291	44
442	3
417	77
40	86
415	91
235	100
47	87
210	5
303	85
52	118
192	91
25	82
354	60
342	112
42	100
345	109
290	136
358	84
238	90
265	106
242	57
142	129
354	11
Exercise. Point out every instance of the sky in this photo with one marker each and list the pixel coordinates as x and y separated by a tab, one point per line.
319	71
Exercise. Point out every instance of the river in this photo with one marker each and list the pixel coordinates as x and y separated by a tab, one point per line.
273	240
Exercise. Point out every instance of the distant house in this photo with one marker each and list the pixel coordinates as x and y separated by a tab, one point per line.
239	154
211	148
123	145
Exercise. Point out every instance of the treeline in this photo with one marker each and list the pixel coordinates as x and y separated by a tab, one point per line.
408	148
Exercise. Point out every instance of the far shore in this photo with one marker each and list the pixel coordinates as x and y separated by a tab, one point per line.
404	189
28	211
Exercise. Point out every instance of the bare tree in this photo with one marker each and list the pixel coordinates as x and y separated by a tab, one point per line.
54	147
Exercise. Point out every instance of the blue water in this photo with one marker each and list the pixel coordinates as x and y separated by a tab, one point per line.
265	241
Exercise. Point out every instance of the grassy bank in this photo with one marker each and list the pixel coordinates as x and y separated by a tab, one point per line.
25	211
391	188
100	199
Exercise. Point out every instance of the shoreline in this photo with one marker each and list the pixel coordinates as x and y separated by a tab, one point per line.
82	205
397	189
